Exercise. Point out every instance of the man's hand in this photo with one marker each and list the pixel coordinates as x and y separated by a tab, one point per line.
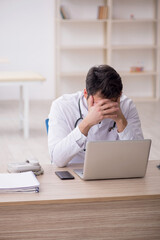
97	111
103	109
120	120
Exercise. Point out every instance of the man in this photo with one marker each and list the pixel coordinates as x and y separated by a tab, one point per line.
100	112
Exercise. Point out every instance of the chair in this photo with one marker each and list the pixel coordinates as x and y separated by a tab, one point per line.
47	124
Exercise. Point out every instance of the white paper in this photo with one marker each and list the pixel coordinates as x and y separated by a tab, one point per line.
25	181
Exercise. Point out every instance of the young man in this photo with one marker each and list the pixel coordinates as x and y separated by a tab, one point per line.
100	112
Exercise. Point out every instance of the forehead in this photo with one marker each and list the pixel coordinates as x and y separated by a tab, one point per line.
98	96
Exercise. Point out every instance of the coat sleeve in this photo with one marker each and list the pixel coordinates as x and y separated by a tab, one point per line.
133	129
63	142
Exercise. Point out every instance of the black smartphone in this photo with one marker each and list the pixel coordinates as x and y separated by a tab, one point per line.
64	175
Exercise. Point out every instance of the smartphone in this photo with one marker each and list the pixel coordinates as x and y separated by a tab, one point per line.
64	175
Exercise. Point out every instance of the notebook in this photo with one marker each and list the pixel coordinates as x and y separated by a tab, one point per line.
115	159
18	182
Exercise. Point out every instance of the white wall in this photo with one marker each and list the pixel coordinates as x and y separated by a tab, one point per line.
27	29
27	41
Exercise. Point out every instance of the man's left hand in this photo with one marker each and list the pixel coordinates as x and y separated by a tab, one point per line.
120	120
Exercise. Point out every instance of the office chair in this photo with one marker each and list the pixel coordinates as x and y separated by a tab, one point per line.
47	124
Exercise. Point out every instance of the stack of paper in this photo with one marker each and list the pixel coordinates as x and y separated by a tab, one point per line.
18	182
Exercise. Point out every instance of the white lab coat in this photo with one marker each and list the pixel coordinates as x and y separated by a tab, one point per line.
66	143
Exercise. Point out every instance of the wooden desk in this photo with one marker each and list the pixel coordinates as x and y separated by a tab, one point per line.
23	80
107	209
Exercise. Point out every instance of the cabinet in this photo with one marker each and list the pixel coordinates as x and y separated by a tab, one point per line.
128	39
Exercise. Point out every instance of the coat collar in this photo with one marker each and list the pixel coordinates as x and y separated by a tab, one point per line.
83	105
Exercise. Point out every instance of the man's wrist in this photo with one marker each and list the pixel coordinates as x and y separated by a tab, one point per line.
121	124
84	127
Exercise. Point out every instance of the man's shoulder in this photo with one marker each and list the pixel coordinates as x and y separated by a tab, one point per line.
126	103
67	99
125	99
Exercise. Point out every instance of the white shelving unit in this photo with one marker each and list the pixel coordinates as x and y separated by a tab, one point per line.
129	37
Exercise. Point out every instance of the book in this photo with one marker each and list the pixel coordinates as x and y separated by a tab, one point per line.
102	12
18	182
62	12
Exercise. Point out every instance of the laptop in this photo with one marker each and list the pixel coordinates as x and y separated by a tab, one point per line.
115	159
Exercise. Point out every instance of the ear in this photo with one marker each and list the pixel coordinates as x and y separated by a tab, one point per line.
85	93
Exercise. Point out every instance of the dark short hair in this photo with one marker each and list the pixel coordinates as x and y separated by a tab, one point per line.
104	79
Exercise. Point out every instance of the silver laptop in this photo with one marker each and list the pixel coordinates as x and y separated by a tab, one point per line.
115	159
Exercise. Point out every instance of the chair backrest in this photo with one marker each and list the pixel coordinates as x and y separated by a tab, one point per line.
47	124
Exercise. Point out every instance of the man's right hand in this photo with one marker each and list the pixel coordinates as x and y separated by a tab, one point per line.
97	111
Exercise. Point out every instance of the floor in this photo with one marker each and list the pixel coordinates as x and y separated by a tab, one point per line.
14	148
149	113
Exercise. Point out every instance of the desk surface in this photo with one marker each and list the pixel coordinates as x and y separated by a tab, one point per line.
20	76
53	190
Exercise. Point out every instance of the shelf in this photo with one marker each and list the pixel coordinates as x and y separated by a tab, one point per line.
130	36
146	20
134	74
132	47
83	20
134	20
144	99
83	48
130	74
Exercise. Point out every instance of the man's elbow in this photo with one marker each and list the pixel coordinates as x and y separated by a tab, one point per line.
57	162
